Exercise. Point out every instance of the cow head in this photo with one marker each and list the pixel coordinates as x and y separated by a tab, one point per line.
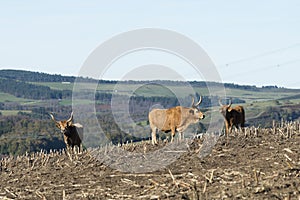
195	111
225	109
64	124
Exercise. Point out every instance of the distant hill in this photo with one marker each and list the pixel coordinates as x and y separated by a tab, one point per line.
28	76
27	90
27	98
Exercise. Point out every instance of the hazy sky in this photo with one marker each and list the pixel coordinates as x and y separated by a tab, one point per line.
251	42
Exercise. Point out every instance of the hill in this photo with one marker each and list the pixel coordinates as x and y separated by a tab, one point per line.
27	98
28	76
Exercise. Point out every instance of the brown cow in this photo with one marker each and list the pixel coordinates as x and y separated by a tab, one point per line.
232	116
174	119
72	132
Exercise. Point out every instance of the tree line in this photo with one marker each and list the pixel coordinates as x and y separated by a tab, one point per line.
31	91
29	76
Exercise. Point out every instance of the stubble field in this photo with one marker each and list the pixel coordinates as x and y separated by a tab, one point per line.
263	164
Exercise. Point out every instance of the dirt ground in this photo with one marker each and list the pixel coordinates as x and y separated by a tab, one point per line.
265	165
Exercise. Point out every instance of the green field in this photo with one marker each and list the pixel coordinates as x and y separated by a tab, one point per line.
258	101
56	85
149	90
4	97
13	112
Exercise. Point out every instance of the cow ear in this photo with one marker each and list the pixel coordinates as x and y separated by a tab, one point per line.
69	123
57	125
192	111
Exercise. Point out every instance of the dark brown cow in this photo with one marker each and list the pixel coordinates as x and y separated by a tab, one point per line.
71	132
174	119
232	116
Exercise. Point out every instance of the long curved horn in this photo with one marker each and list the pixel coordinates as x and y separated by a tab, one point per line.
71	117
52	117
230	103
200	100
220	103
193	101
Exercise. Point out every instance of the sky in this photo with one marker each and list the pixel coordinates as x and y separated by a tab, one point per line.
250	42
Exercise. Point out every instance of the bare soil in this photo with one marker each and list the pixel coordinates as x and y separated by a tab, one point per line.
261	166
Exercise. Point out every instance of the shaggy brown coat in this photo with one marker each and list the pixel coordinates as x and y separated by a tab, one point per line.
232	116
72	132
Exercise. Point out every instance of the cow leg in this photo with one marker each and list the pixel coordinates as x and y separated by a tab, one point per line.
229	130
153	135
71	149
181	136
172	134
180	133
68	144
243	126
66	141
236	130
79	148
76	149
226	129
67	148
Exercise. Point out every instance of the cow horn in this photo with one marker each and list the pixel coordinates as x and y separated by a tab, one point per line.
230	102
193	101
220	103
71	117
52	117
200	100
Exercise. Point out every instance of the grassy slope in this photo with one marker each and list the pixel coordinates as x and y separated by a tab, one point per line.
157	90
256	101
4	97
12	112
